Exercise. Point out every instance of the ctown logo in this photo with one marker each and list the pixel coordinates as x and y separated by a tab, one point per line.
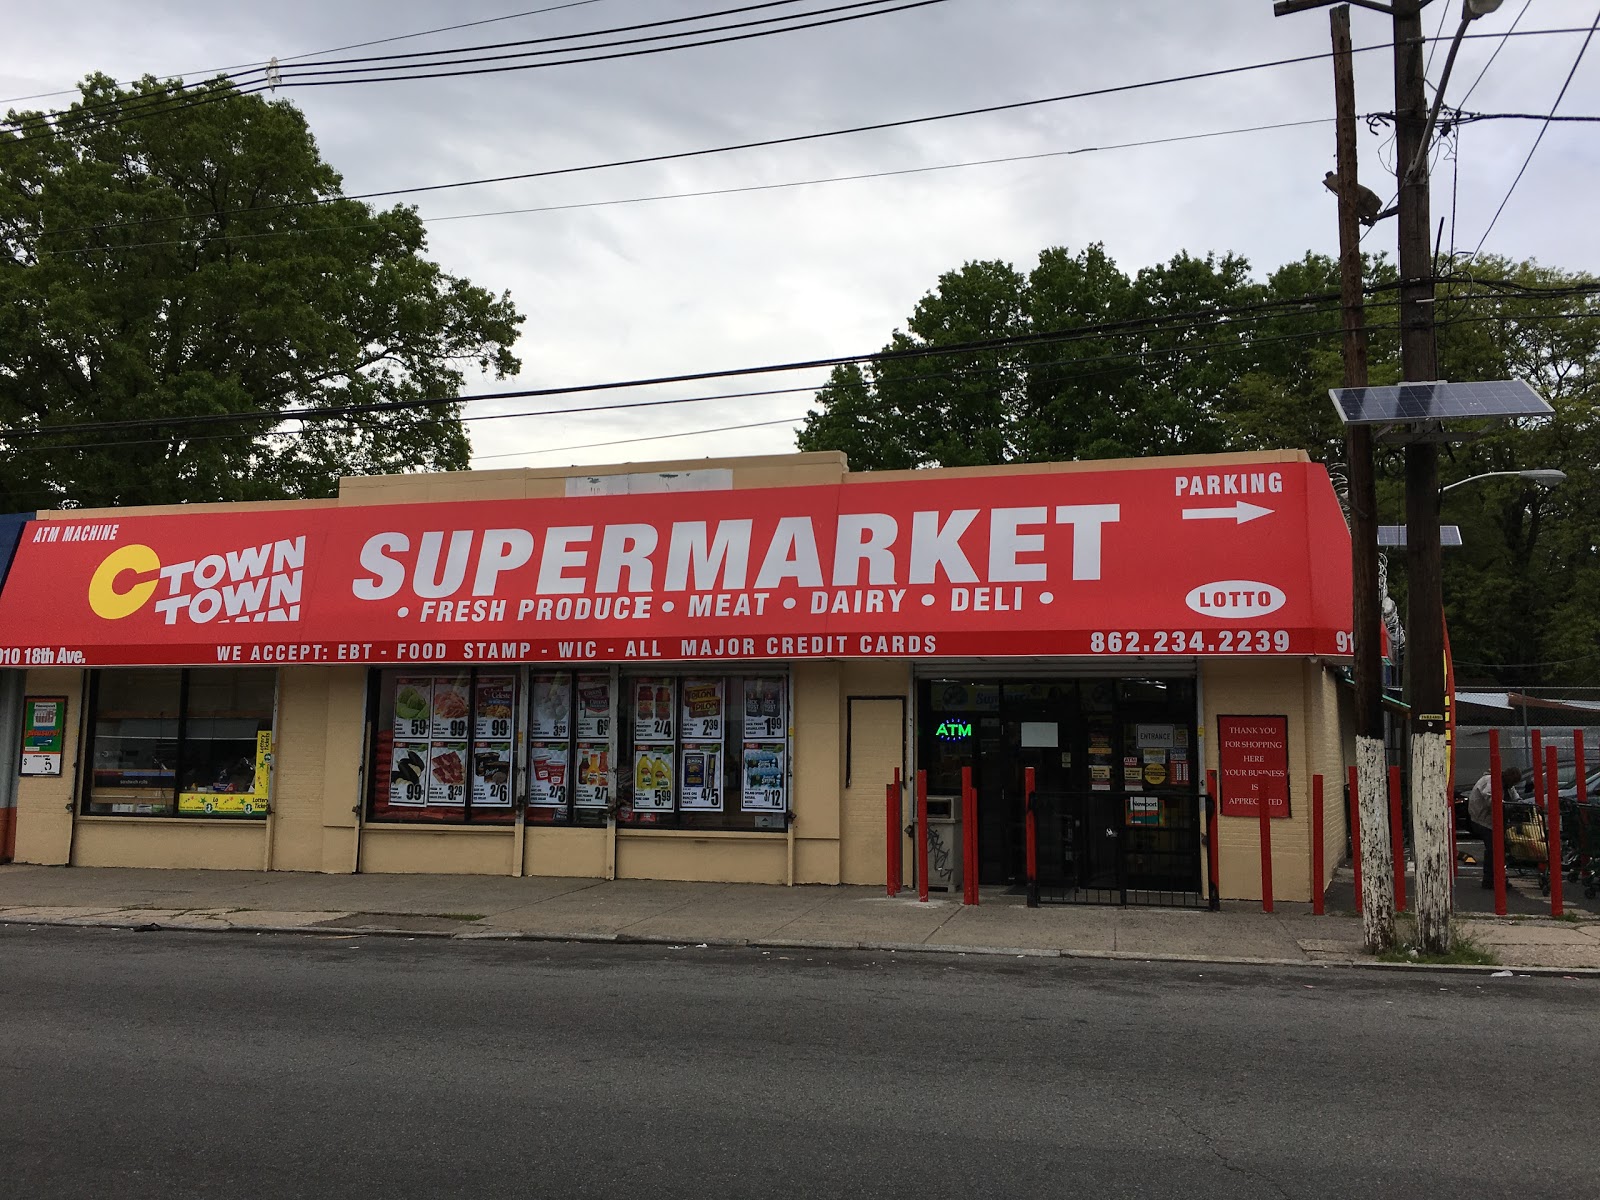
257	583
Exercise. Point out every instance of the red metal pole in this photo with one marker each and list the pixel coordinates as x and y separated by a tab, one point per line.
922	836
1536	761
1497	824
969	839
1397	840
1552	829
1316	845
1213	843
1582	796
1266	852
892	862
1032	829
1455	855
1355	833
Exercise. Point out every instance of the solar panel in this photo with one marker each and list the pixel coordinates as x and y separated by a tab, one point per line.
1395	535
1438	401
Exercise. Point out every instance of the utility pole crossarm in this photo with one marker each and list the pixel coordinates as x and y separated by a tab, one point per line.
1284	8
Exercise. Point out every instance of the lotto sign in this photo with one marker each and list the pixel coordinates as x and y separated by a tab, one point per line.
1228	557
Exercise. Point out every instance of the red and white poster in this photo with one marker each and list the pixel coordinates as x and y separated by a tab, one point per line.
1249	558
1253	757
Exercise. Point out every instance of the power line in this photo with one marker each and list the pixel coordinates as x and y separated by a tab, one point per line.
569	37
1503	43
653	437
1542	129
1130	325
681	155
150	104
298	231
399	37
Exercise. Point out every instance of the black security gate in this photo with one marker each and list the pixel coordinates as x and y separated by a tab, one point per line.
1117	848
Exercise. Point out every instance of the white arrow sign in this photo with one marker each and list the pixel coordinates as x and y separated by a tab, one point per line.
1240	512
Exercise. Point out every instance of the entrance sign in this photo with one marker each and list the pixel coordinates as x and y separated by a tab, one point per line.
44	733
1058	562
1253	754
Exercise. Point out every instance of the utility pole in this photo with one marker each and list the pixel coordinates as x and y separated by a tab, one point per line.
1430	778
1371	836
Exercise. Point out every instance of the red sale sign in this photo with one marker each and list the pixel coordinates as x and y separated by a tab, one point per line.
1212	559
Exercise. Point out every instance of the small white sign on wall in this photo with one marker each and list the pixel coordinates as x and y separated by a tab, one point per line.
1042	734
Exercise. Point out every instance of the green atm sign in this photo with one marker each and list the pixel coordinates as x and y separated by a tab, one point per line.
953	731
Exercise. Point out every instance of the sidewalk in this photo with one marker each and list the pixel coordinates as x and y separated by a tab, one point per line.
726	914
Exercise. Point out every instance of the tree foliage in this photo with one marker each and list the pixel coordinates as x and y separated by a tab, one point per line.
1194	355
170	253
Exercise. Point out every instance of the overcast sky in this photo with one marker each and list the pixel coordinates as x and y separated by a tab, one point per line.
680	285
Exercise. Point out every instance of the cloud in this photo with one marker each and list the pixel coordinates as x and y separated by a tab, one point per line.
681	285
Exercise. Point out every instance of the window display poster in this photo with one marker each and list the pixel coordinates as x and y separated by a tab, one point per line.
408	771
701	779
591	782
451	706
548	786
491	776
495	703
594	707
652	710
44	726
652	779
702	710
762	778
413	706
551	714
763	709
447	775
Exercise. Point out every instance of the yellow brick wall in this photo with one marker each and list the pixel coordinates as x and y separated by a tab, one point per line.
1304	693
45	803
862	822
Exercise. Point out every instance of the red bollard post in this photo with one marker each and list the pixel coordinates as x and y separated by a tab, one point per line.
1355	832
1552	829
1455	855
1213	845
1032	834
1397	840
969	839
1496	848
1582	797
922	836
891	811
1536	761
1316	845
1264	809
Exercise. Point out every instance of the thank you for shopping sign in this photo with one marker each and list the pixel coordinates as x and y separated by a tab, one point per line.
1253	754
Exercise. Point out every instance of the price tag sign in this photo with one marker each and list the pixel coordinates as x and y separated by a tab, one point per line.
652	779
552	706
701	779
653	711
764	710
413	707
549	785
701	719
594	707
762	787
591	782
447	775
451	707
408	775
494	707
491	776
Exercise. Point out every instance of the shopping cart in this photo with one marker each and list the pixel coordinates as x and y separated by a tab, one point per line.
1527	845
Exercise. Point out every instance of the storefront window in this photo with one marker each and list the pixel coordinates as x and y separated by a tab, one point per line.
444	746
704	752
571	727
191	743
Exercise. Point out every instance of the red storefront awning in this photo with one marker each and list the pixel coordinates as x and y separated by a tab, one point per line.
1162	561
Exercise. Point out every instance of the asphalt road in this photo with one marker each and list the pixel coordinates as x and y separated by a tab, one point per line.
176	1065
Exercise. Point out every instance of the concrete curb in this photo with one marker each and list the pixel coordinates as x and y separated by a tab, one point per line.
820	944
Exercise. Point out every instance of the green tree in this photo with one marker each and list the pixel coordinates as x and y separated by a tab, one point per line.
173	252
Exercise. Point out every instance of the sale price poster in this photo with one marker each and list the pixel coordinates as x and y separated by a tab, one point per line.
764	710
652	779
701	779
702	710
447	775
552	706
761	778
494	704
594	707
652	710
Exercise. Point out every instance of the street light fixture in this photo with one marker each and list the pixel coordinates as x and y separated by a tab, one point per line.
1544	477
